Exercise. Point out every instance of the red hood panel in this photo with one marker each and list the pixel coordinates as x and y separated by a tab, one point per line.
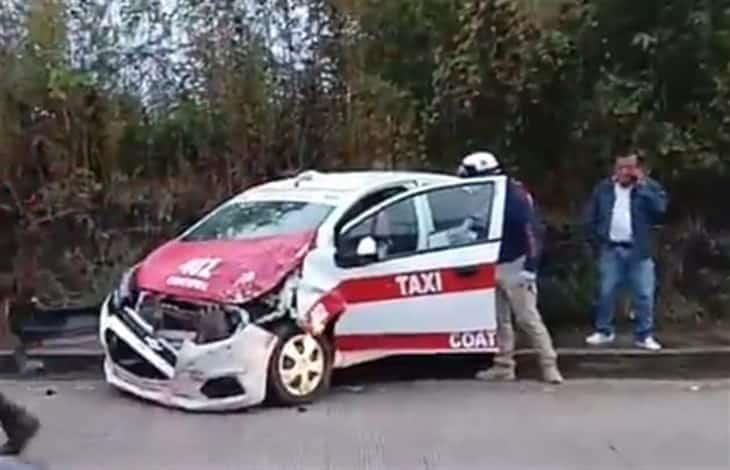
222	271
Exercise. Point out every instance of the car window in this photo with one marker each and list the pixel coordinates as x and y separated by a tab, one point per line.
253	219
394	228
371	200
460	215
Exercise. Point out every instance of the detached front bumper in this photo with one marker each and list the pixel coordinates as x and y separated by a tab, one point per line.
224	375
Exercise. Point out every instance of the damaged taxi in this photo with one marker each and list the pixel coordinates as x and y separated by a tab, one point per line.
274	289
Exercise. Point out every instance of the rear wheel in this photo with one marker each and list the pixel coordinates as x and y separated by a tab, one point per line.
300	367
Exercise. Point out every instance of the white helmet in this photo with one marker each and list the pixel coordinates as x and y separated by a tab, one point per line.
479	164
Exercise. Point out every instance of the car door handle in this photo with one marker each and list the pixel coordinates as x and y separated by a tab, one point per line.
466	271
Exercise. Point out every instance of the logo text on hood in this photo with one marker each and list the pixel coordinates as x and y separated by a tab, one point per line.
194	274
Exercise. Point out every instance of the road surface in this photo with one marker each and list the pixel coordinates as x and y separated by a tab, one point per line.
426	424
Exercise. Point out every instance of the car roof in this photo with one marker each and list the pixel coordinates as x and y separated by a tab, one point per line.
338	187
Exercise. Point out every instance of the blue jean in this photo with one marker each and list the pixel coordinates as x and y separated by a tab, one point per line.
618	267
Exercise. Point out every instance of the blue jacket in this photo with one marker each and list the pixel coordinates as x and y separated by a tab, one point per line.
648	206
520	233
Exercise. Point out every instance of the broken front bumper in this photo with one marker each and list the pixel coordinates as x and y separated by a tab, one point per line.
224	375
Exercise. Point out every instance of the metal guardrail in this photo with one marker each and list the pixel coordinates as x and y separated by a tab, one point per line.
48	324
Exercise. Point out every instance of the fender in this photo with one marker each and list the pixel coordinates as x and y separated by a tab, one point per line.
324	313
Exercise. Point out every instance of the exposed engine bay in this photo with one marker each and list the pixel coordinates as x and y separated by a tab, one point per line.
206	322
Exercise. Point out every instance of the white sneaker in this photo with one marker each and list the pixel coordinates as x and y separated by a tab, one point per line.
649	344
600	339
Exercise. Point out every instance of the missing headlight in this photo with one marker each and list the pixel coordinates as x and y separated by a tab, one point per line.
220	322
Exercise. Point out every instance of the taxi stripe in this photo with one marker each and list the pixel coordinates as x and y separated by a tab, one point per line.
478	340
418	283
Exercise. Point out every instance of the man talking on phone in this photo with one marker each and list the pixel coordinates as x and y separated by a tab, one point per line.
619	218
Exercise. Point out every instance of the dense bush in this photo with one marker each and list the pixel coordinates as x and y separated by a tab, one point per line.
110	117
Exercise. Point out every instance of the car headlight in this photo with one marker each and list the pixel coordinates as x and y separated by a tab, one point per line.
125	295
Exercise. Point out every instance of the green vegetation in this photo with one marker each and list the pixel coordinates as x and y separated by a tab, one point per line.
115	113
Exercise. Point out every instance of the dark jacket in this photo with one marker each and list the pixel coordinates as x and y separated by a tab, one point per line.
648	206
520	234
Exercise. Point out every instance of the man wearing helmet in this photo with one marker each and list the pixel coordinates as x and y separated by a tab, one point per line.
516	276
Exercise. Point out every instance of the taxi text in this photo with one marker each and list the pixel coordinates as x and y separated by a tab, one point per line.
473	340
420	283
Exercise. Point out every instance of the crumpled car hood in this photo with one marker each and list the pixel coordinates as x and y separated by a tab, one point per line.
222	271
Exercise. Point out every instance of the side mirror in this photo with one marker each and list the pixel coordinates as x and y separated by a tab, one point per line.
366	251
367	248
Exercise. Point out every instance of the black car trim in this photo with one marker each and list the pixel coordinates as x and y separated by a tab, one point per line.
166	352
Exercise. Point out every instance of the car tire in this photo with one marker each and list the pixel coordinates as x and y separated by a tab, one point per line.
300	368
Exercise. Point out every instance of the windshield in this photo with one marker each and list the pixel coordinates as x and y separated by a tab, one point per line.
255	219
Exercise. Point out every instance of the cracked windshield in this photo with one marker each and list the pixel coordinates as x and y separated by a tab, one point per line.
249	220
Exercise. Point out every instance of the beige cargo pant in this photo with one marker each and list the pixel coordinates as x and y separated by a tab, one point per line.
518	299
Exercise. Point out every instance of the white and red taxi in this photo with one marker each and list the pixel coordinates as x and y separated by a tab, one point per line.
278	286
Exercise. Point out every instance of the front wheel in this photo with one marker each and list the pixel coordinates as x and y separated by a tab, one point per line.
300	367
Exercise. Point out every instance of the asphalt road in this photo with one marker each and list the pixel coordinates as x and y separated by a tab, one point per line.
427	424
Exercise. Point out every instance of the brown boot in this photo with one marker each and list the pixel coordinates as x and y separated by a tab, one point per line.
19	425
551	374
497	373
